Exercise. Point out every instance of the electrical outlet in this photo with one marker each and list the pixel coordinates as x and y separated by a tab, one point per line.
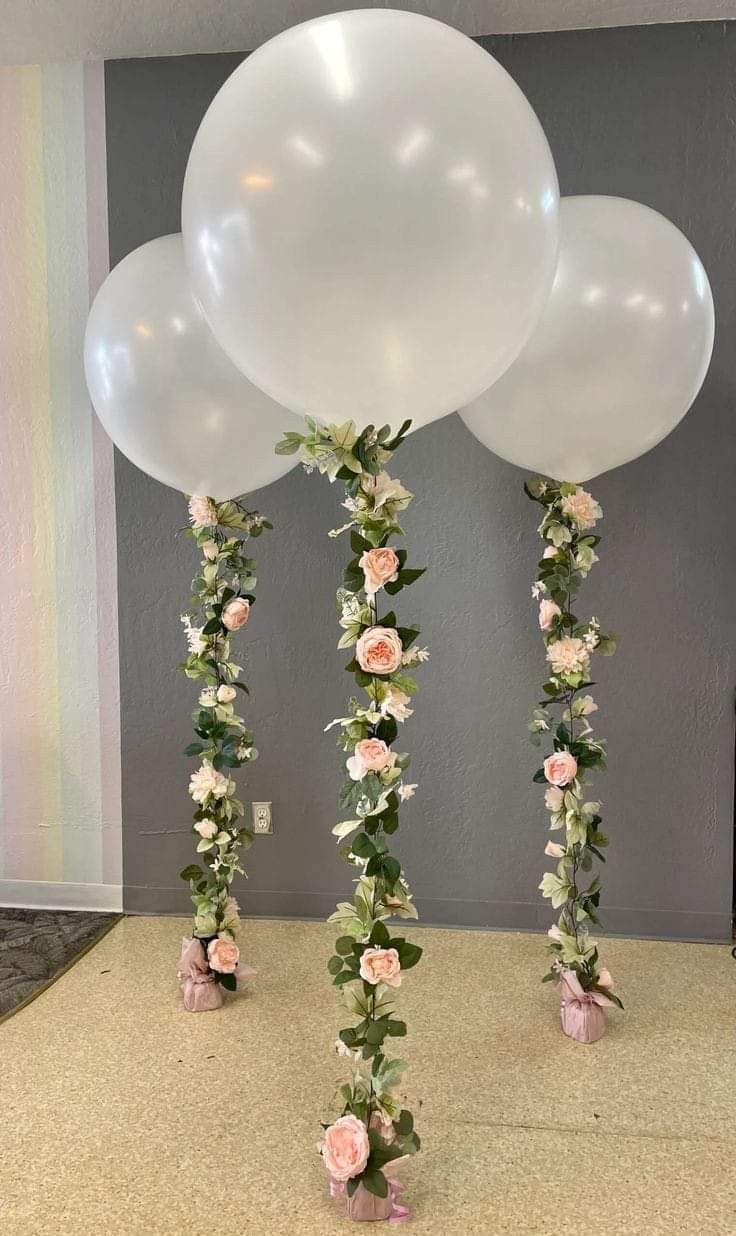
262	819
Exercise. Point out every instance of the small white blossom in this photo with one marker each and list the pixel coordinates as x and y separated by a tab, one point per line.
407	791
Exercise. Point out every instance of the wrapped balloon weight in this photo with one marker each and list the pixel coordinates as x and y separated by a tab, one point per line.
164	390
370	218
619	354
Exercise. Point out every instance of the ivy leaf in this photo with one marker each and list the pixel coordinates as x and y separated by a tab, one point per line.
192	872
228	981
211	627
194	748
375	1182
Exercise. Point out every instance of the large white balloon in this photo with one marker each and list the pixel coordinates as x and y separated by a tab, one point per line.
370	217
620	352
165	392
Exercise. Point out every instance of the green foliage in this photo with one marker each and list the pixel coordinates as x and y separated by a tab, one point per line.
226	573
371	796
569	555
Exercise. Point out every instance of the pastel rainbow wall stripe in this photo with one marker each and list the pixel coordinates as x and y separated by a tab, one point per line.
60	817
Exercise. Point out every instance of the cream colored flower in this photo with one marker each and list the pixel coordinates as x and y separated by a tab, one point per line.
582	508
395	704
225	693
207	781
568	656
202	512
206	829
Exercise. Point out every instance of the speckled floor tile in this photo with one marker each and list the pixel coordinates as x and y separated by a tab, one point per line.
122	1115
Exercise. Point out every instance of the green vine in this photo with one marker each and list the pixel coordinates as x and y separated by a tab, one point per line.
569	514
369	959
222	596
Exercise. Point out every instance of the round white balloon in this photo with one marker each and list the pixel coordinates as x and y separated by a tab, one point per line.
620	352
370	218
164	390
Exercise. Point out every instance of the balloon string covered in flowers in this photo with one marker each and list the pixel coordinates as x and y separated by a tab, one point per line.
570	513
362	1147
222	597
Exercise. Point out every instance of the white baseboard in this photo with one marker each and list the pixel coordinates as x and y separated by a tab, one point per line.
50	895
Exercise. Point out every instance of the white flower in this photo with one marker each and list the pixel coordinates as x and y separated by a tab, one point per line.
206	828
207	697
244	752
554	850
395	704
226	694
415	656
210	550
387	492
584	706
197	644
207	780
407	791
538	587
202	512
582	508
568	655
554	932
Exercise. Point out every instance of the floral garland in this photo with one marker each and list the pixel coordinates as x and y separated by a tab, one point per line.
570	514
362	1147
222	596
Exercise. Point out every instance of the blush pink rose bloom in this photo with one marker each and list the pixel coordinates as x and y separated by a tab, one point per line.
582	508
236	613
604	978
346	1148
560	769
223	955
381	965
548	611
370	755
379	651
379	567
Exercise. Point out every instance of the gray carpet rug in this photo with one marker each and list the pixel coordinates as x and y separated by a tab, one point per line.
36	945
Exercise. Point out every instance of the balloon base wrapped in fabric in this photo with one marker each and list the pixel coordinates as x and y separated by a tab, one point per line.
581	1012
365	1207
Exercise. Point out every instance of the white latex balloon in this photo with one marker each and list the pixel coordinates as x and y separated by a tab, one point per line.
165	392
620	352
370	217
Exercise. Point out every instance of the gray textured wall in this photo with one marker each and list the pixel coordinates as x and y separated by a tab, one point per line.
646	113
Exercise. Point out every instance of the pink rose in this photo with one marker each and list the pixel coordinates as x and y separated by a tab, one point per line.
379	566
371	755
550	552
379	651
346	1148
223	955
548	611
604	978
381	965
582	508
554	850
560	769
235	614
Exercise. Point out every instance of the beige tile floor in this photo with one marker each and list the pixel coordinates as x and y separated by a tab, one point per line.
122	1115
